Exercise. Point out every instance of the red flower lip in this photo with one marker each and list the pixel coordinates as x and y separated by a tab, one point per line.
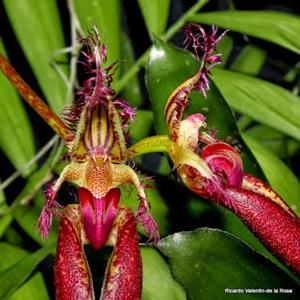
98	215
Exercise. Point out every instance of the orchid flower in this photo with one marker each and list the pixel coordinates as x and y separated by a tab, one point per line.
213	169
94	130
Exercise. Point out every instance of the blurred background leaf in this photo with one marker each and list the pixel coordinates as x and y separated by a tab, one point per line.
261	100
155	13
280	177
277	27
18	268
39	31
106	16
16	137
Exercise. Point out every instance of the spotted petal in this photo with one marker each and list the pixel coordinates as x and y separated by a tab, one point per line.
72	275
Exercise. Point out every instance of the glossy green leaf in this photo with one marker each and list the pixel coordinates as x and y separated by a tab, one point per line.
35	287
131	92
17	273
106	16
261	100
287	185
274	141
277	27
38	29
250	60
158	283
155	13
16	139
166	69
208	261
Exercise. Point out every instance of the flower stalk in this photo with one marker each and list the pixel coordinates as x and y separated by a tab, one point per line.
52	119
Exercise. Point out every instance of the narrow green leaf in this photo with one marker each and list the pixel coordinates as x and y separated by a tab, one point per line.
131	92
261	100
5	222
225	47
287	185
106	16
15	275
158	283
250	60
155	13
16	139
35	287
167	68
277	27
274	141
206	262
39	32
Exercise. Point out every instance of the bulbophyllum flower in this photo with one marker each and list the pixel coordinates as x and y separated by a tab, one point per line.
213	169
96	143
94	130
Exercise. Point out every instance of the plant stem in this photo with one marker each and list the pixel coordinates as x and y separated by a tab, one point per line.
75	50
119	85
40	154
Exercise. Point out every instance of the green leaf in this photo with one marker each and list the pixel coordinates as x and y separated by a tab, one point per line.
207	261
287	186
16	139
261	100
13	276
5	222
274	141
155	13
106	16
167	68
250	60
35	287
131	92
225	47
158	283
279	28
39	32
